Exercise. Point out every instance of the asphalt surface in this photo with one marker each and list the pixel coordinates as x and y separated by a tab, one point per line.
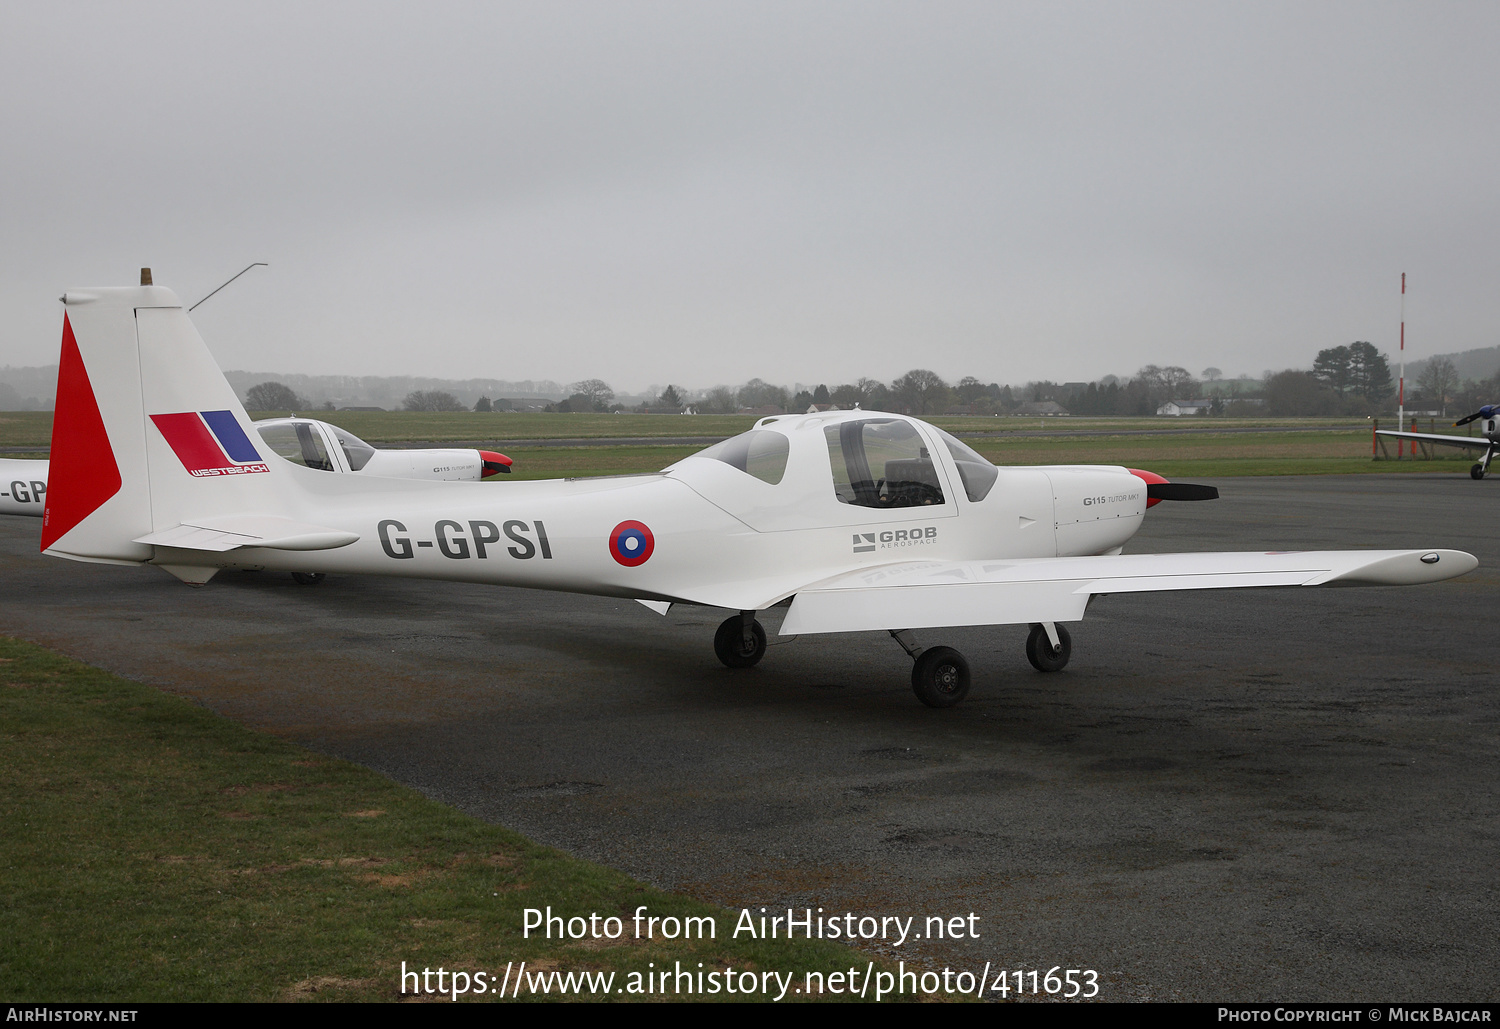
1267	795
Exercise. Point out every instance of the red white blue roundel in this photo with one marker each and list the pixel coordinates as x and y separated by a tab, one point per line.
631	543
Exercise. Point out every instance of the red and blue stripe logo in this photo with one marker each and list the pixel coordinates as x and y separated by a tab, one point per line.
631	543
210	443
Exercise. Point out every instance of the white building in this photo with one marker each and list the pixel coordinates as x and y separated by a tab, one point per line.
1178	408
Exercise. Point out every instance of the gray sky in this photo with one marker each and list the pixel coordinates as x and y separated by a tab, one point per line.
706	192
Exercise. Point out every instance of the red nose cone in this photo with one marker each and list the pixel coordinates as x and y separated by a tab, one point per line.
1148	478
494	464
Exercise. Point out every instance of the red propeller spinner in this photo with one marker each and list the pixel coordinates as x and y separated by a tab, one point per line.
494	464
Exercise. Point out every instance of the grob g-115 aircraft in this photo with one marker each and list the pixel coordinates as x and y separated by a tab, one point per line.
1488	439
861	521
304	441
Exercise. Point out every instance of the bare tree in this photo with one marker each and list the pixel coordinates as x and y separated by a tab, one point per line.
597	391
1438	382
759	393
432	400
720	400
273	396
918	390
1179	382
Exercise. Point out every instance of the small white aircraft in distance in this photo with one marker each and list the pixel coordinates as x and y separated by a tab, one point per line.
1488	439
859	520
304	441
23	485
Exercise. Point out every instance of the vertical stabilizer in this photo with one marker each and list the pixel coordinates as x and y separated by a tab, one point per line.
148	434
98	499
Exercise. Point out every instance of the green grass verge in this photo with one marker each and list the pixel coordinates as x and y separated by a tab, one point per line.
154	851
406	426
1292	451
1173	461
25	429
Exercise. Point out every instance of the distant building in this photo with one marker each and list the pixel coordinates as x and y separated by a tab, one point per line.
1178	408
1045	408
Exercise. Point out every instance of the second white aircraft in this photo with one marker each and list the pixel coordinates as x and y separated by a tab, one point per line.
305	441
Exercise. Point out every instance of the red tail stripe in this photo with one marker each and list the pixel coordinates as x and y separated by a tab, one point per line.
83	472
191	441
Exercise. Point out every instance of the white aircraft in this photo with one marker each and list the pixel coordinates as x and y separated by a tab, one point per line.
23	484
304	441
860	521
1488	439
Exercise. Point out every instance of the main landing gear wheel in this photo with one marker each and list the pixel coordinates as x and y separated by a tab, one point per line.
737	647
1477	472
308	578
940	677
1039	649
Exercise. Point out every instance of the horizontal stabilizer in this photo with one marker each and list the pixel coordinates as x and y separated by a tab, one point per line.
230	531
921	595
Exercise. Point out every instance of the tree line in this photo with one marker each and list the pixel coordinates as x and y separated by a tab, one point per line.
1344	380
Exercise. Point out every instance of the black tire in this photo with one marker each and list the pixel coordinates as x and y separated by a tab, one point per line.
733	649
1477	472
308	578
1039	649
940	677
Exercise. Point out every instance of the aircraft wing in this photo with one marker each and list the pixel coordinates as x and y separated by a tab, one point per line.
920	595
1477	442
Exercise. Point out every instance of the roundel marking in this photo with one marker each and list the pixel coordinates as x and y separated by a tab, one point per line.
631	543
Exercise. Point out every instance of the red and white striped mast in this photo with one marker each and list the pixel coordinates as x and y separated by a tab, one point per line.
1401	391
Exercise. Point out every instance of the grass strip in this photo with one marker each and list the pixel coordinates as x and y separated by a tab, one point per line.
1165	457
155	851
1296	450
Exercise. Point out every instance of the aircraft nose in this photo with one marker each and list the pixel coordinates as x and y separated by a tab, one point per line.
1159	489
493	464
1149	478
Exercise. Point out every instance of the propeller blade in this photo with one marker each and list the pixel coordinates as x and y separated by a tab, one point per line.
1483	412
1180	491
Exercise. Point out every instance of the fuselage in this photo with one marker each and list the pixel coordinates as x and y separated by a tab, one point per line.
742	525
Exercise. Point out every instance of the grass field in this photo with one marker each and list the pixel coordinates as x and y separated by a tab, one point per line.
1293	447
154	851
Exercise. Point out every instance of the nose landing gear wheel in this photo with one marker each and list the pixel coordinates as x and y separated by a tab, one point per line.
737	649
940	677
1039	649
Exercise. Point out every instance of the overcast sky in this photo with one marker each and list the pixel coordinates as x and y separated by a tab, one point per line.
704	192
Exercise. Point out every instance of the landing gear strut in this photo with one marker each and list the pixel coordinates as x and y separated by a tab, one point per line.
740	641
939	675
1482	465
1048	647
